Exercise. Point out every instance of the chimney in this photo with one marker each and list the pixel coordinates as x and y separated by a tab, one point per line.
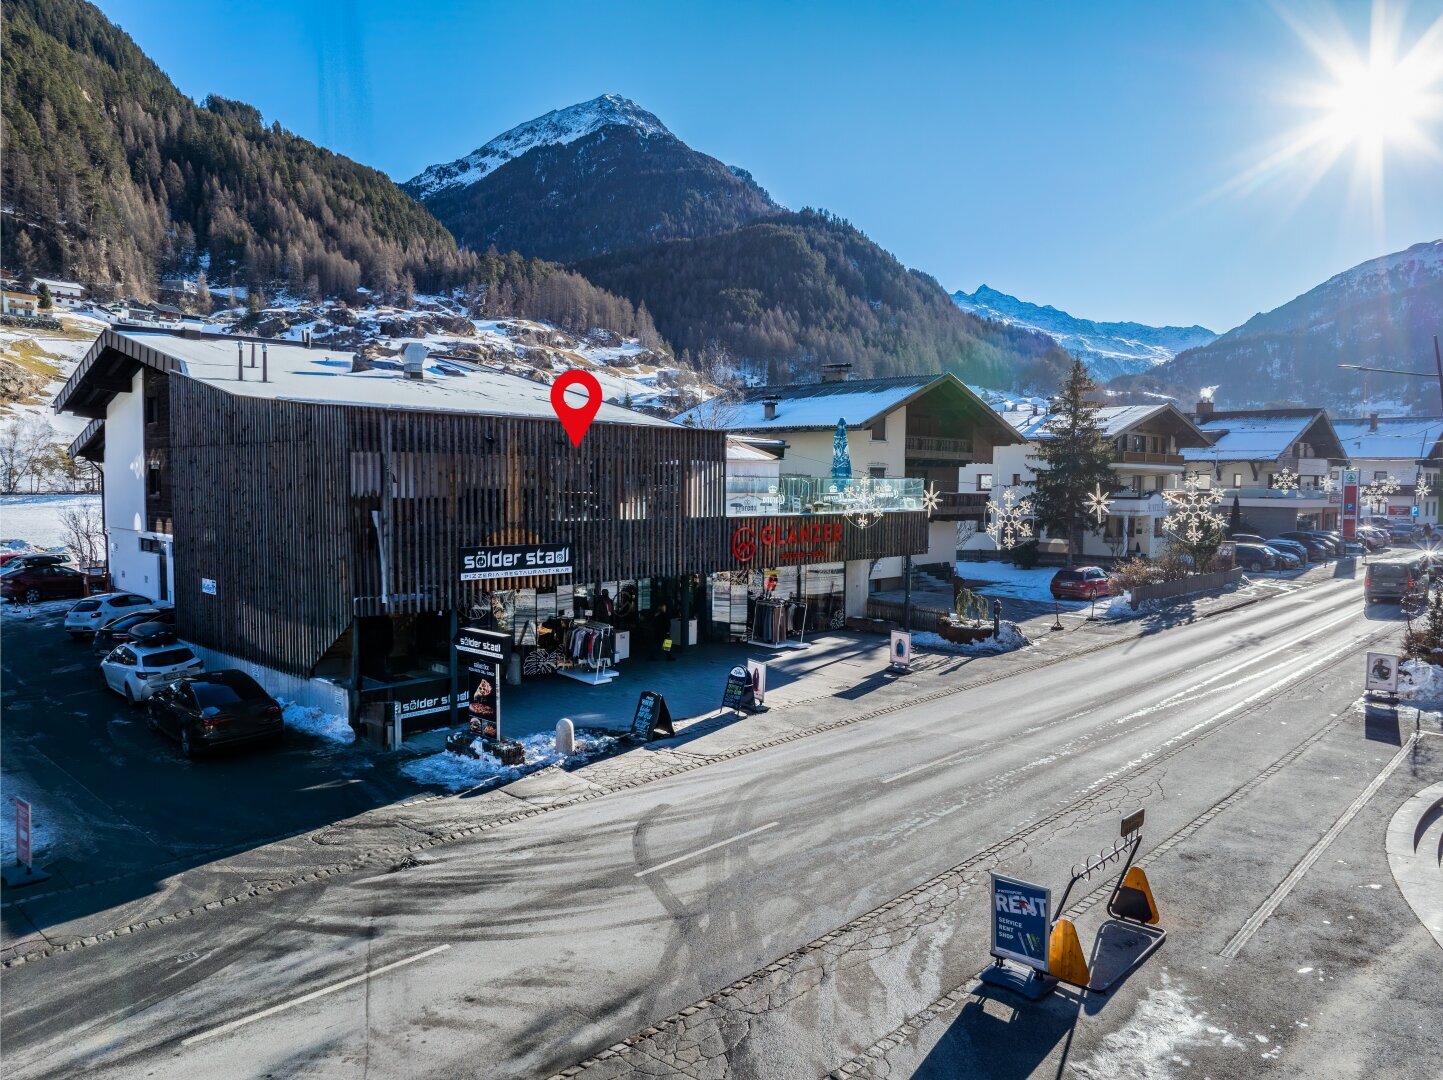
359	363
836	372
769	408
1204	409
265	364
1036	409
413	360
1373	423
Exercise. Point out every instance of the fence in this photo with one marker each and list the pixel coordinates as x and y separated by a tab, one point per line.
892	611
1194	583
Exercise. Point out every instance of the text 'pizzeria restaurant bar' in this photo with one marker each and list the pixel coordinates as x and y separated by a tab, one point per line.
330	522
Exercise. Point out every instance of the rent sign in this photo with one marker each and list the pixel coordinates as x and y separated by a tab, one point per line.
1021	921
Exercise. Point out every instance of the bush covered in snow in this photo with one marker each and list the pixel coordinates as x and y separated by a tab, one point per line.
323	725
1010	639
456	772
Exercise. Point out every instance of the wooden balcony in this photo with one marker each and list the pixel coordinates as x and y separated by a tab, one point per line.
1136	457
939	448
961	506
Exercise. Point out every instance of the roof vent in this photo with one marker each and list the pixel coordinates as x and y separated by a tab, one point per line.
413	360
769	408
836	372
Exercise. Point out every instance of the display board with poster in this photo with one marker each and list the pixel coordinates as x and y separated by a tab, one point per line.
737	689
757	676
1382	674
1021	921
652	717
900	654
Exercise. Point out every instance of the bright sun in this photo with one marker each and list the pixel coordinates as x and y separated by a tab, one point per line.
1375	104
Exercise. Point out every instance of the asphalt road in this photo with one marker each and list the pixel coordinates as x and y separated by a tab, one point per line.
528	949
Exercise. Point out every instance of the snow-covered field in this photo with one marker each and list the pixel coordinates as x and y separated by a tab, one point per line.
34	521
1004	579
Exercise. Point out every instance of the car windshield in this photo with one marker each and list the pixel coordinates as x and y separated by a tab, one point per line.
168	658
221	694
1387	571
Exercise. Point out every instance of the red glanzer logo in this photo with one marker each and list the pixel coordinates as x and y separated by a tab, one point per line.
793	542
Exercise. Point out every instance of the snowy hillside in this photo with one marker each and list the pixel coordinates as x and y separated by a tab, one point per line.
557	128
1107	348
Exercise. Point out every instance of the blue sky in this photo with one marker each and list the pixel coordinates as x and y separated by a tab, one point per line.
1080	155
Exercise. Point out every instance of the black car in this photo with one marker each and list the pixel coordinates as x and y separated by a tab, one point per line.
214	709
1255	558
1317	550
122	628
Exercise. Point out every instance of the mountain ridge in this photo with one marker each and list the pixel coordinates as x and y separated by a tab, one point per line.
1108	349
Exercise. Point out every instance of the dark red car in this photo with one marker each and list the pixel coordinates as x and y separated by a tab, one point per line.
1081	583
32	584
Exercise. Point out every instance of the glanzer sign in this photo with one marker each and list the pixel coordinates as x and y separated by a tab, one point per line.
786	542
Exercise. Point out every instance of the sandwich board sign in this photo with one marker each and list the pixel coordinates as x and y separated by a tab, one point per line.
1021	921
1382	674
652	717
901	650
757	673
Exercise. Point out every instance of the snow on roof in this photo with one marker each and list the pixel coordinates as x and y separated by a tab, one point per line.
741	450
1406	438
816	405
324	376
1262	437
55	283
1114	419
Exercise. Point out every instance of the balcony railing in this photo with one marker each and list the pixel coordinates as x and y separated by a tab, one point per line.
939	446
753	495
1137	457
1296	495
961	505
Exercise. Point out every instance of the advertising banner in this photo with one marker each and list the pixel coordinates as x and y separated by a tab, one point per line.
515	560
901	650
1350	504
757	674
483	703
1382	674
491	646
1021	921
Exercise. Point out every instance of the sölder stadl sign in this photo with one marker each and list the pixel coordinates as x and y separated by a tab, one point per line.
515	560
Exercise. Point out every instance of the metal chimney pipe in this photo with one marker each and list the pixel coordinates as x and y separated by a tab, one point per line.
240	361
253	354
265	364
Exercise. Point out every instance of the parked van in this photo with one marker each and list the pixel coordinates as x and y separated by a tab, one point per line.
1391	581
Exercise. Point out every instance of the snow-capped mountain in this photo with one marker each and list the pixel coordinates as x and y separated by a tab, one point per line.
1383	312
594	178
1107	348
557	128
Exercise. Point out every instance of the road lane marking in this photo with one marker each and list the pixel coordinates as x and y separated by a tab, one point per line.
703	851
1180	697
1256	920
322	992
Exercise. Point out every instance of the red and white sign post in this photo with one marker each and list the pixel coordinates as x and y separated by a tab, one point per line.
1350	504
22	833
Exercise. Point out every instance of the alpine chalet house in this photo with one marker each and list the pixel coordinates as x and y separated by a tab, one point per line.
328	521
1273	462
1406	449
1148	444
906	435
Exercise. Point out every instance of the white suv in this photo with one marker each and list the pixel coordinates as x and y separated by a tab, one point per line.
94	612
136	670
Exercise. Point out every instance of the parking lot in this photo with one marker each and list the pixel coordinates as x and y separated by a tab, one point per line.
113	798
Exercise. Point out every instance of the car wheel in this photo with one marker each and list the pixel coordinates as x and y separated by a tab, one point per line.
187	744
32	596
129	697
150	720
1255	568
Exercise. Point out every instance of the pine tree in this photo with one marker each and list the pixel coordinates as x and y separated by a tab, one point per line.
1075	459
46	301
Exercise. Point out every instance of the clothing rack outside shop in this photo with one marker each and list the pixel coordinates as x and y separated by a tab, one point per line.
779	624
591	646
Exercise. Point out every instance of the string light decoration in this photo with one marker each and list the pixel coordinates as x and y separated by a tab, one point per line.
1098	503
1422	488
1328	484
860	505
1009	519
931	499
1192	510
1376	493
1285	481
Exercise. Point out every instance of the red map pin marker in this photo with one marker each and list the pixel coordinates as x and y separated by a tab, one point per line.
576	419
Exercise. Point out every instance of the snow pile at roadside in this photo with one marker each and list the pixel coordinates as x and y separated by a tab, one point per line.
455	772
1420	681
322	725
1010	639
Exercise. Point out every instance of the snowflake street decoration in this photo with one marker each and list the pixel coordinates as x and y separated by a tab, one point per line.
1376	493
931	499
1098	504
1192	511
1423	489
860	505
1009	519
1328	484
1285	481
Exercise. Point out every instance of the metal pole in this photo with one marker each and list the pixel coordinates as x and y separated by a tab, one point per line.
455	718
1438	359
907	593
